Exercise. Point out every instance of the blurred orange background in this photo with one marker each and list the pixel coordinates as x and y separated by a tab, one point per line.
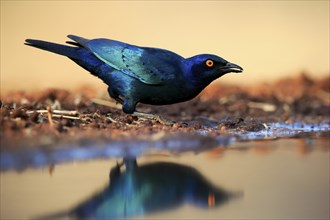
269	39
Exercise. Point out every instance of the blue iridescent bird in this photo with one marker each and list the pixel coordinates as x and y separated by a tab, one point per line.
142	74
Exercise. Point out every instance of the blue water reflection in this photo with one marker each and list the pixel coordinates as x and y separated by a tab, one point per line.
154	187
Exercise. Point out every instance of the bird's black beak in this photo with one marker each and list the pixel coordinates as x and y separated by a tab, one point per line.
231	67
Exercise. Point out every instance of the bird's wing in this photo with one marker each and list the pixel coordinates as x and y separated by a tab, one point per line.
148	65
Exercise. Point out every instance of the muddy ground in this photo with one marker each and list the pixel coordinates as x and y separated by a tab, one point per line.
52	116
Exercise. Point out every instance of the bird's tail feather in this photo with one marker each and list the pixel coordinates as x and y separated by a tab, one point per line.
61	49
80	55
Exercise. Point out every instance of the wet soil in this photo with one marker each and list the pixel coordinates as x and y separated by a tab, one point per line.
52	116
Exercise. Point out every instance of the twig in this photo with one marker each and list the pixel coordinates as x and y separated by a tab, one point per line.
156	118
65	112
66	116
111	119
50	114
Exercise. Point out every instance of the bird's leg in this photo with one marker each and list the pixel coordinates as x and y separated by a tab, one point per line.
129	106
119	100
113	94
115	171
130	163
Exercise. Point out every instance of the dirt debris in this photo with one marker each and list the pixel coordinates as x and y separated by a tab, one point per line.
54	115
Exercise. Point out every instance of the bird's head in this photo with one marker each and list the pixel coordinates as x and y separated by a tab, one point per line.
205	68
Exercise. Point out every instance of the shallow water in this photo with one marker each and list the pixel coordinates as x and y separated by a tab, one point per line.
23	157
277	179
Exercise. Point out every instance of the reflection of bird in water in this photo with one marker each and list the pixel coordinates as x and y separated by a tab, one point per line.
148	188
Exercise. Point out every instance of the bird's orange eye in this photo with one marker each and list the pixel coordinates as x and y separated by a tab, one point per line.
209	63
